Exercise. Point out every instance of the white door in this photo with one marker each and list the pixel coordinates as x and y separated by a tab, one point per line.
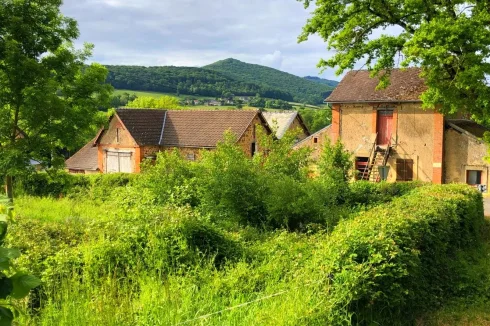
112	162
119	162
125	163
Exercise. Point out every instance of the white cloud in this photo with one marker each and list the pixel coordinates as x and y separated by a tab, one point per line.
198	32
273	60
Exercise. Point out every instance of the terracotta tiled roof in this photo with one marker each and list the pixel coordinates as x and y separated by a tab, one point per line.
144	125
357	86
204	128
469	126
84	159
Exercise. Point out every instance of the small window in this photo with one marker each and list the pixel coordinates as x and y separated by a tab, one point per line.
404	170
191	156
252	149
473	177
361	168
117	135
315	140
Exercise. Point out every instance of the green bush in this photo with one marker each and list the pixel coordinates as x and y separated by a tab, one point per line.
368	193
394	261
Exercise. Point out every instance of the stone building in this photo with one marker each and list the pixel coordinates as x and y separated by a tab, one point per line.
136	134
315	141
388	127
281	122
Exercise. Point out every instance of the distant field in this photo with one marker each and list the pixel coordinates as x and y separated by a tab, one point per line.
157	94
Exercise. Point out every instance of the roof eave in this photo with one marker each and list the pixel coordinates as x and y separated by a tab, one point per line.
372	101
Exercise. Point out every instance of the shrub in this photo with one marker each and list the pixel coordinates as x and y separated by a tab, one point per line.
369	193
394	261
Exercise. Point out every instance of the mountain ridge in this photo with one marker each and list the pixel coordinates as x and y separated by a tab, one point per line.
222	78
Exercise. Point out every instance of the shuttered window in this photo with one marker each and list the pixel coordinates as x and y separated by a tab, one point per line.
404	170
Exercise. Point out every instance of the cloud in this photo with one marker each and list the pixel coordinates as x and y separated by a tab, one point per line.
273	60
198	32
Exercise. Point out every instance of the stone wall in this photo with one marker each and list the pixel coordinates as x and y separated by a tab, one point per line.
413	136
462	153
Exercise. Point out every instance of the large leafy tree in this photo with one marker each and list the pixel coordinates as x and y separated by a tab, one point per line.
48	97
448	39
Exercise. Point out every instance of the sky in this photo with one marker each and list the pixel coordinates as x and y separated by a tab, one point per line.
199	32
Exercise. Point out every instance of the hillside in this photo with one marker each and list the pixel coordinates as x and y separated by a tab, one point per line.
328	82
302	90
188	81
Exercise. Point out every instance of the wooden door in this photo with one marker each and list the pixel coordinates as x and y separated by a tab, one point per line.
384	126
112	162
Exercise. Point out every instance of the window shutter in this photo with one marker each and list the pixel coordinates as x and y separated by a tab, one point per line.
408	170
400	170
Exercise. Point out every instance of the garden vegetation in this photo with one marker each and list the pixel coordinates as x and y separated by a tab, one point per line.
228	240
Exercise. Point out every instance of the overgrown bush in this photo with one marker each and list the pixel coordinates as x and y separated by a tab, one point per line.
394	261
365	193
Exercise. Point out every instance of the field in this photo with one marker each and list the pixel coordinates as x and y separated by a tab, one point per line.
157	94
233	241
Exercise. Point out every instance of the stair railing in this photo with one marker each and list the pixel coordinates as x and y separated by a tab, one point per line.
370	162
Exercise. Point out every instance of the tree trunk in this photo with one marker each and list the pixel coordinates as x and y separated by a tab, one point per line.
9	188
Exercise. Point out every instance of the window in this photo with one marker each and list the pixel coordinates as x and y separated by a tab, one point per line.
117	135
473	177
361	167
191	156
404	170
315	140
252	149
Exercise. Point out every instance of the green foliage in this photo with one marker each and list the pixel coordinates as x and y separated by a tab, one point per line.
392	262
231	184
334	167
316	119
49	99
15	284
331	83
449	40
302	90
187	80
369	193
120	100
163	102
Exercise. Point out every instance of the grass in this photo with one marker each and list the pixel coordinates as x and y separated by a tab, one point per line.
474	310
158	94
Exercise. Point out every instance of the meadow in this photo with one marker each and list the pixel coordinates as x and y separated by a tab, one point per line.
233	241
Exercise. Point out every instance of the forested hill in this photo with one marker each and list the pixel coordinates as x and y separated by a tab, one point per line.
187	80
302	90
328	82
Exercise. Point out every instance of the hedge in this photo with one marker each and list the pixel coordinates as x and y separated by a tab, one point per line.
60	184
395	261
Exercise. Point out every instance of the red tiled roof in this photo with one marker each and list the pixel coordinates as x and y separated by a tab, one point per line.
85	158
358	86
188	128
204	128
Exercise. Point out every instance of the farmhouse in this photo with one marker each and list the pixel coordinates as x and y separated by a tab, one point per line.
136	134
281	122
315	141
388	127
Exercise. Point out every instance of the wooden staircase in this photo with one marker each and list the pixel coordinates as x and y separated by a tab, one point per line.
379	156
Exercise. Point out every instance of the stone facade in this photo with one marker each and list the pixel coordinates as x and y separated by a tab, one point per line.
315	142
417	135
464	153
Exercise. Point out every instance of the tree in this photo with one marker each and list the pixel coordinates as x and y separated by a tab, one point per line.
239	104
449	40
148	102
48	97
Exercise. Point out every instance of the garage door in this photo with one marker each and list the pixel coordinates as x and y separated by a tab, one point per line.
119	162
